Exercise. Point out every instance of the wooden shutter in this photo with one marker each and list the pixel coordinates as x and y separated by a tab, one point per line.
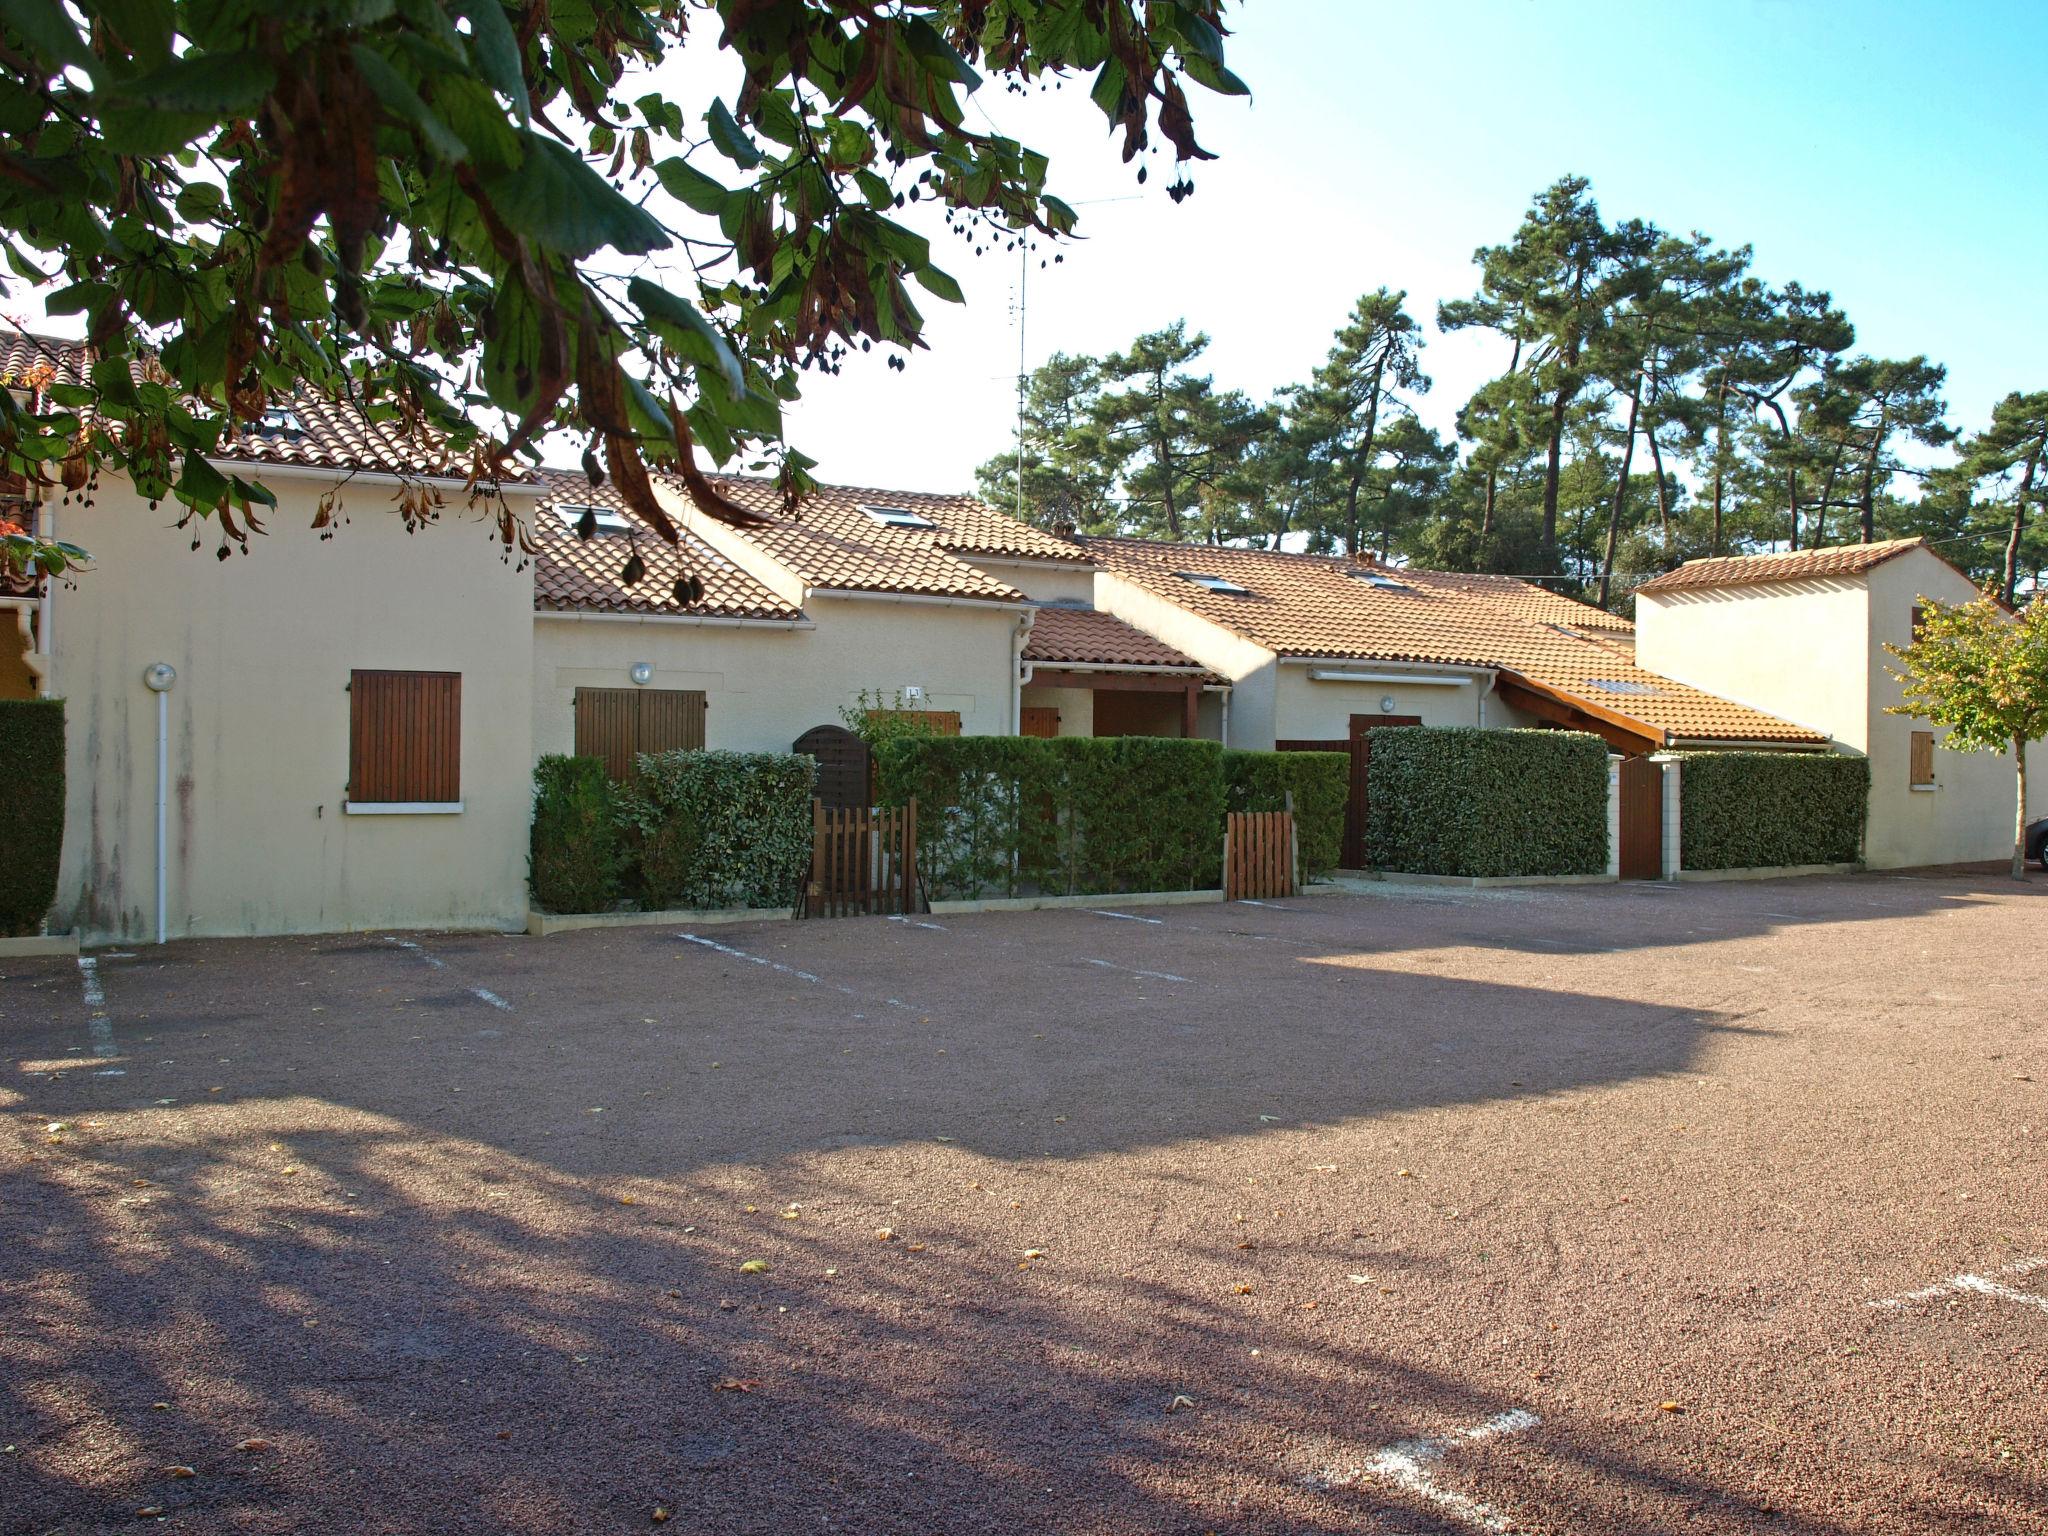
615	723
1923	759
405	738
1919	618
1038	720
943	722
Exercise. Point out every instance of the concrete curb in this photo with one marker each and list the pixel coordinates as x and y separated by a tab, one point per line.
1475	882
1771	872
31	945
545	924
1040	903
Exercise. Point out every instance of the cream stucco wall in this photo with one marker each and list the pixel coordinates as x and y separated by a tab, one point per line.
1076	707
259	721
1311	710
1813	652
766	686
1043	581
1250	668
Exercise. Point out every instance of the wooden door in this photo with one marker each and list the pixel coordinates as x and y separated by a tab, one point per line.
1038	720
1642	819
1357	747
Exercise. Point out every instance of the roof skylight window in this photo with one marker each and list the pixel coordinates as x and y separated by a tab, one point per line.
1214	583
279	422
897	517
600	519
1378	579
1621	685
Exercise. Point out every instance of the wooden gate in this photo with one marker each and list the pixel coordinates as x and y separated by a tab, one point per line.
844	765
1642	819
863	860
1259	856
1357	747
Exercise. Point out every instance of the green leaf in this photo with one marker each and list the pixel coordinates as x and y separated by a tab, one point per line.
731	139
496	50
200	202
201	484
224	83
45	27
649	416
467	106
691	187
391	88
930	45
933	281
1214	76
561	202
683	326
145	27
247	491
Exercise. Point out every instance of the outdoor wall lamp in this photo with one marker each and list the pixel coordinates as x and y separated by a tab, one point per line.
1387	705
642	673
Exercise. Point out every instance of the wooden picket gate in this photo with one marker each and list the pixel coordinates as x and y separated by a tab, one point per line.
863	861
1259	856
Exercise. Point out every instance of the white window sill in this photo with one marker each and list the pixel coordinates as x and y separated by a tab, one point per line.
403	808
1923	789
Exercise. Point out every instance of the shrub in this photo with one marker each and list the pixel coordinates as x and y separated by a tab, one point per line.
1065	815
31	810
1486	804
573	859
1758	810
719	829
1321	785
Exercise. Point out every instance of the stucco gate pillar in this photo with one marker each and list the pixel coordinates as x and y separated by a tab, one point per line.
1673	827
1613	816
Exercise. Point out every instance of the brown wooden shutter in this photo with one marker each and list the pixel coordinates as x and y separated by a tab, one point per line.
1919	618
616	723
942	722
405	738
1923	759
1038	720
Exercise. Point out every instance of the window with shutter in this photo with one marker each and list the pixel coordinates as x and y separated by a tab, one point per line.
617	723
1923	760
404	741
1919	619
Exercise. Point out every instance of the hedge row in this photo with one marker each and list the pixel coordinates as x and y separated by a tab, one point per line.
31	810
1487	804
1320	783
1061	815
690	829
1757	810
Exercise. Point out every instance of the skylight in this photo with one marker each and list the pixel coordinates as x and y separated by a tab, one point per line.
897	517
279	422
604	518
1621	685
1214	583
1376	579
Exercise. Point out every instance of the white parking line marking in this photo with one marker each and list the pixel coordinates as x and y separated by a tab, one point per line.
1149	975
1408	1466
1253	901
914	923
481	994
1129	917
786	970
99	1026
1981	1285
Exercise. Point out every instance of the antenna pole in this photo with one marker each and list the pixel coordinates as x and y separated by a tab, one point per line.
1023	276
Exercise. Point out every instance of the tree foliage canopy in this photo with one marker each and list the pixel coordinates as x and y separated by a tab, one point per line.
450	211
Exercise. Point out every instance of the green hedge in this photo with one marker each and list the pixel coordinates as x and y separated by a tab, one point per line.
574	860
31	810
1065	815
718	829
1320	783
1460	801
1759	810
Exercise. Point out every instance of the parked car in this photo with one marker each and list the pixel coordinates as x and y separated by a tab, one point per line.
2037	842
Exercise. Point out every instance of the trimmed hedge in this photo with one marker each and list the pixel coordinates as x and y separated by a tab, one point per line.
1761	810
718	829
573	857
31	810
1320	783
1454	800
1061	815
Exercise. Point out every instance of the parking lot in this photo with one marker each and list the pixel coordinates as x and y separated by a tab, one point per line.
1581	1210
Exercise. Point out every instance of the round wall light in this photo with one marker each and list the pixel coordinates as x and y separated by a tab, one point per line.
159	677
1387	704
642	673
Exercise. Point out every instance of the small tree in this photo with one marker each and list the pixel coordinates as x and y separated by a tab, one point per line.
1983	673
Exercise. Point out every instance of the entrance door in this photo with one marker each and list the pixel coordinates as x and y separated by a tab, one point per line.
1357	747
1642	819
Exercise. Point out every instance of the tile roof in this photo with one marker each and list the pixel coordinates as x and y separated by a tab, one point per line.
17	517
1784	565
1317	606
587	575
337	434
831	543
1085	635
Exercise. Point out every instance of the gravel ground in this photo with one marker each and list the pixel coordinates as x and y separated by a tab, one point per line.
1561	1210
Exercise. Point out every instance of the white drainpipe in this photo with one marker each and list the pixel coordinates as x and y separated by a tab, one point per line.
1018	669
46	528
159	678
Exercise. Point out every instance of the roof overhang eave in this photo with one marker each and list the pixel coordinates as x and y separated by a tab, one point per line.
265	469
928	599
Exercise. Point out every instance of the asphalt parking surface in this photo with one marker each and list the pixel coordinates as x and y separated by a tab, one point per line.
1579	1210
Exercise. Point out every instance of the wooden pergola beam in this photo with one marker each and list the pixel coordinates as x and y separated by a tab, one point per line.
1624	735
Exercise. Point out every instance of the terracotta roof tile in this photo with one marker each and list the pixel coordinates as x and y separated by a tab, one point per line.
833	544
587	575
1783	565
1084	635
331	434
1322	606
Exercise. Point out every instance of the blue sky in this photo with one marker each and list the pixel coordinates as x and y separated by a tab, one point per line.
1892	154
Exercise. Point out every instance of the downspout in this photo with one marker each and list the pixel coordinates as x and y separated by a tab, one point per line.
1018	670
158	678
46	529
